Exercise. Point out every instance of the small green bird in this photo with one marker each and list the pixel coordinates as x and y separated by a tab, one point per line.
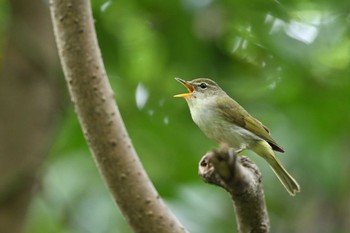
223	120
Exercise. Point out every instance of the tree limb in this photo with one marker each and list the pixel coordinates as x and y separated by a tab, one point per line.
101	122
242	179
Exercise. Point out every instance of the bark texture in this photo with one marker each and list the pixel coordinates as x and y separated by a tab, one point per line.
101	122
242	179
29	106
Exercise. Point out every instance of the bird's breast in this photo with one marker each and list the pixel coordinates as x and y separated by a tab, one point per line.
215	127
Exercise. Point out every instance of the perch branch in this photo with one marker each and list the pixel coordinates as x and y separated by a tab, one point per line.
242	179
101	122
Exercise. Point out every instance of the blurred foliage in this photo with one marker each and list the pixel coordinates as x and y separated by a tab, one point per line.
287	62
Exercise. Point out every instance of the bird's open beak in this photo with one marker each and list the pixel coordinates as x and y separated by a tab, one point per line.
189	87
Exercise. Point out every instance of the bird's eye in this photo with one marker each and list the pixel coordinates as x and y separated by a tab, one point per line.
203	85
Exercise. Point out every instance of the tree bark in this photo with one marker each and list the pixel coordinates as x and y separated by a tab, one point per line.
101	122
242	179
29	108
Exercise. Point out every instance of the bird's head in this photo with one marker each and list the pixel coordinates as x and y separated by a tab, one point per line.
200	88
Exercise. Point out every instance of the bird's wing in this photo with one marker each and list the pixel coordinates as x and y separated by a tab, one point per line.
236	114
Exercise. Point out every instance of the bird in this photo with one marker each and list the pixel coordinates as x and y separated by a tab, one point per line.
223	120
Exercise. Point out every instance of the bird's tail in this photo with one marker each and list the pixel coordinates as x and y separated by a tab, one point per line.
265	151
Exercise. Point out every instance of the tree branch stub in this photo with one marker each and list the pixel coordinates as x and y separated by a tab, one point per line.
239	176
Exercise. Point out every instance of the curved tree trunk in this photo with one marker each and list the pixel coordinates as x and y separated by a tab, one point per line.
101	122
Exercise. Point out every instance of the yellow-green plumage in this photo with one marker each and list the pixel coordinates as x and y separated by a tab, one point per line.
223	120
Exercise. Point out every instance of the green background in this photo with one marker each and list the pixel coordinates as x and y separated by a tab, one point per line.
286	62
